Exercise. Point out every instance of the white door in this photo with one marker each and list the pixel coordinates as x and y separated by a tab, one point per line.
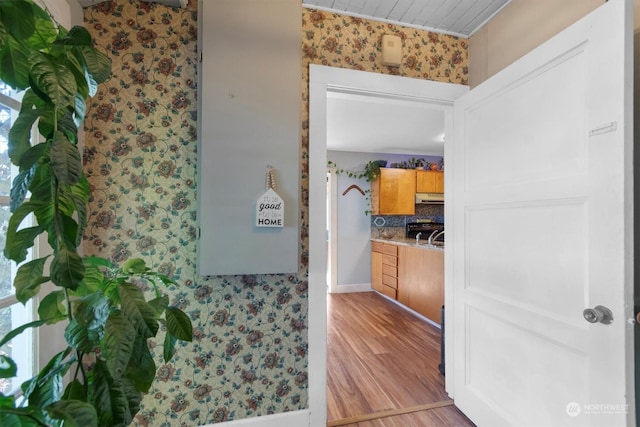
541	229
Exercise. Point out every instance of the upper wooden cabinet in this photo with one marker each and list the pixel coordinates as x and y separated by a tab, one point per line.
394	192
429	181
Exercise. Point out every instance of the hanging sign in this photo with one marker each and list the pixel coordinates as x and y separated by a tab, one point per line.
270	206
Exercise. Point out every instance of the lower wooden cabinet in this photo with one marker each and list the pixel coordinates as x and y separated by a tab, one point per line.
412	276
421	280
384	268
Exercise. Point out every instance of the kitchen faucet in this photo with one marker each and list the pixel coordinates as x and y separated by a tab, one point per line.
418	238
435	235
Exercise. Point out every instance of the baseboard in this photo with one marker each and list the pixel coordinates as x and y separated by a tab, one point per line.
295	418
356	287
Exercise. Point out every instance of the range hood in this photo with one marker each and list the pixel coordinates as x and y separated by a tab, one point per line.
429	198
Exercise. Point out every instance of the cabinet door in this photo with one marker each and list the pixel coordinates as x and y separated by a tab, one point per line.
376	271
421	281
429	182
425	182
439	182
393	193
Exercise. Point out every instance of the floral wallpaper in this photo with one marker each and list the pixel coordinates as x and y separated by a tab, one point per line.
249	354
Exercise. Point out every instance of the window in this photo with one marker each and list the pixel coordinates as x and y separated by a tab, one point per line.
12	313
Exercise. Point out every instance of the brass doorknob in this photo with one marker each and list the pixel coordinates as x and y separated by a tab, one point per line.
598	314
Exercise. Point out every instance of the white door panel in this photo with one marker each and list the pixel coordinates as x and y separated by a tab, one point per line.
540	214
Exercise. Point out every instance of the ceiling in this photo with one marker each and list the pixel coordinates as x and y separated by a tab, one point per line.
456	17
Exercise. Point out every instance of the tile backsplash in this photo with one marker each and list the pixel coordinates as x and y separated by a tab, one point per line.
393	226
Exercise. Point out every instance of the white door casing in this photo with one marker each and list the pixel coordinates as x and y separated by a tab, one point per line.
540	202
323	79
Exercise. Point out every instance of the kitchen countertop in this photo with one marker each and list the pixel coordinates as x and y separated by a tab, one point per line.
409	242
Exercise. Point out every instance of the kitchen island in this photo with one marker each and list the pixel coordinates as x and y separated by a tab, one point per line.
411	273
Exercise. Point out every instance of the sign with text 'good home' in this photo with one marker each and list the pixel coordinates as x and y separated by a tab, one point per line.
270	210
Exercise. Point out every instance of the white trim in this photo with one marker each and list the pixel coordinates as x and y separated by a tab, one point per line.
296	418
321	80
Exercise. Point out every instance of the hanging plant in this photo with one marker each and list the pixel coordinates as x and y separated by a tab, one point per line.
109	319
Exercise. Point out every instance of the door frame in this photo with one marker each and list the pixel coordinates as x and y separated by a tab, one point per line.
321	80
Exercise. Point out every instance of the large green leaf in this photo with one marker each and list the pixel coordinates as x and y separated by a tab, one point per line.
118	344
50	76
15	247
98	64
8	368
69	229
76	66
24	238
68	126
80	196
168	347
28	279
74	413
52	307
134	266
20	134
108	398
92	280
81	338
142	368
18	18
141	315
65	160
14	64
45	32
75	390
80	110
92	311
178	324
160	304
20	187
67	269
42	184
17	331
77	36
56	367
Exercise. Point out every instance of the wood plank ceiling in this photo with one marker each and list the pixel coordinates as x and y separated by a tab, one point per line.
456	17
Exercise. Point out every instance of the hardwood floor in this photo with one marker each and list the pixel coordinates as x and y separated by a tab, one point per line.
381	360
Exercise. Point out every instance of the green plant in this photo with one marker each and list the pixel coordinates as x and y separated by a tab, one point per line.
370	173
109	318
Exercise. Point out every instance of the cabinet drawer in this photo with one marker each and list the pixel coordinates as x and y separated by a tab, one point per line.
390	281
390	249
390	270
377	246
390	292
390	260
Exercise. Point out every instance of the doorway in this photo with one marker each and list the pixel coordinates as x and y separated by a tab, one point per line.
322	80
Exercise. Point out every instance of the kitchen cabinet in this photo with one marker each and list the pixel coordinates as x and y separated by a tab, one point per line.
429	182
384	268
393	192
421	280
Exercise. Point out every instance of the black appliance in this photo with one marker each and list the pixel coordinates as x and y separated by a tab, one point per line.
425	229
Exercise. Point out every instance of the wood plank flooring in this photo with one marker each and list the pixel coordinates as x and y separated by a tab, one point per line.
383	360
